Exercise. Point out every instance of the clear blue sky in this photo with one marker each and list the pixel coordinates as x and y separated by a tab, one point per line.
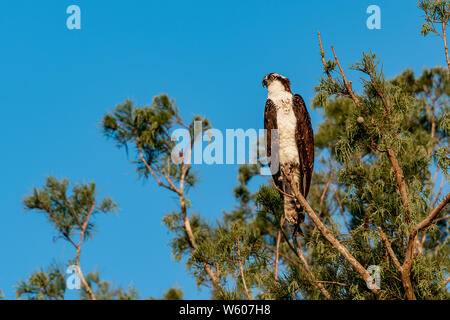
55	85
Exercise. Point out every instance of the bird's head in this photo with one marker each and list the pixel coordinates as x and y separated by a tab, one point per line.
276	82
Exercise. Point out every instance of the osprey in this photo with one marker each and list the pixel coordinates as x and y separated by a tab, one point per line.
293	146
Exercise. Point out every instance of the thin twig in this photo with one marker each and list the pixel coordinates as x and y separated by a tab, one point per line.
277	253
242	271
322	54
444	284
77	259
348	85
441	187
334	282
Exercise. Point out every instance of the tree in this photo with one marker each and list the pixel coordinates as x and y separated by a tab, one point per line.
46	284
375	201
384	148
147	129
436	12
174	293
380	146
104	290
71	216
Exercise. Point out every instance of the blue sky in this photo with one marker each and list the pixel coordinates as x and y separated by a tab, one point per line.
56	84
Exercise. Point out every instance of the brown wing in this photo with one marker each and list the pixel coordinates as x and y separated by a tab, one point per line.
270	123
304	137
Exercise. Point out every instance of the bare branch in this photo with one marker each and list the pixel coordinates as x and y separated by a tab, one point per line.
348	85
322	197
441	187
169	180
334	282
322	54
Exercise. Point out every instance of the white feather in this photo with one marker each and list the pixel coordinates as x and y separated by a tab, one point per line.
286	122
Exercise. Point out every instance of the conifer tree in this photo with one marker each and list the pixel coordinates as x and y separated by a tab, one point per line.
45	284
375	198
71	213
373	201
437	13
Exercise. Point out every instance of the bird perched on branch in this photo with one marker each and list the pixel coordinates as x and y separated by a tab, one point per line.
289	144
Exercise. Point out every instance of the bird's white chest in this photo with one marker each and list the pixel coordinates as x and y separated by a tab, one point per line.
287	125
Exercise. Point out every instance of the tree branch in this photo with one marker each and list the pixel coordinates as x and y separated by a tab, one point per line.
429	219
400	179
444	284
409	257
242	271
389	249
277	253
302	259
330	237
77	259
144	161
322	54
444	36
182	200
348	85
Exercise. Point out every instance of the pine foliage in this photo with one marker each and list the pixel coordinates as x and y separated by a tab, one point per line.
375	197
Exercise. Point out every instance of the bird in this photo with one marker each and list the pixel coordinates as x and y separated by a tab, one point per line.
291	147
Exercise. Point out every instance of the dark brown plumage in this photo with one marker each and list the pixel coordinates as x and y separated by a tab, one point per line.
304	139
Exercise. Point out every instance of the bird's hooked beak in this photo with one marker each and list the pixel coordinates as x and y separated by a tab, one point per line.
264	83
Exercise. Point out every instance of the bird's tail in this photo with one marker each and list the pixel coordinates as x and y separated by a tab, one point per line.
293	211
